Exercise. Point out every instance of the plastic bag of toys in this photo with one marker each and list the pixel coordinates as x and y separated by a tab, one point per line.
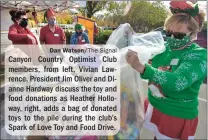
132	90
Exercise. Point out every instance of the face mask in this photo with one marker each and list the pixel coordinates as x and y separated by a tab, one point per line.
174	43
52	22
24	23
79	33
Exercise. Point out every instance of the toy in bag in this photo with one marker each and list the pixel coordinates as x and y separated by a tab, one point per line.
129	129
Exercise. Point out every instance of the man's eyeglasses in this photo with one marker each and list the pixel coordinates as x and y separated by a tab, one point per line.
176	35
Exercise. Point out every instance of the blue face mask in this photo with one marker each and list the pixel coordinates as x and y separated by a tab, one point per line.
52	22
79	33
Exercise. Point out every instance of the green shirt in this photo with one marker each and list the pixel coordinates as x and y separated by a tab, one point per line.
181	85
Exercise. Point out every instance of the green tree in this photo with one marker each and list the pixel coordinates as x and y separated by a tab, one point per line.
94	6
116	10
159	14
114	14
82	10
145	16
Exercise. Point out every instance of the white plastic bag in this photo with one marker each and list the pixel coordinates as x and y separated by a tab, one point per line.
122	36
132	91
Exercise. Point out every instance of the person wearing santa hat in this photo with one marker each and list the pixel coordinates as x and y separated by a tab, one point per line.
52	33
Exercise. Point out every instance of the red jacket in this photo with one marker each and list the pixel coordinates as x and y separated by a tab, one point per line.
18	35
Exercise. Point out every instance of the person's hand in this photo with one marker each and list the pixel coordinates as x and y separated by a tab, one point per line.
133	60
31	38
80	37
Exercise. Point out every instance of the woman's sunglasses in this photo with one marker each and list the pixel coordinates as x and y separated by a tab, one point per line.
25	19
175	34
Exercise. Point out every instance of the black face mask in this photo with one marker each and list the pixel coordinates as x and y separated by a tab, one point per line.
24	23
79	33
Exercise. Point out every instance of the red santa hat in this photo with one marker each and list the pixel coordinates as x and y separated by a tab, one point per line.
50	12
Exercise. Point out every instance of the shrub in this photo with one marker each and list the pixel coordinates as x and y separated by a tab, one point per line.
102	36
68	36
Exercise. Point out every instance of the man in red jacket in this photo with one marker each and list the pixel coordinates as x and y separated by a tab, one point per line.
18	32
51	33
